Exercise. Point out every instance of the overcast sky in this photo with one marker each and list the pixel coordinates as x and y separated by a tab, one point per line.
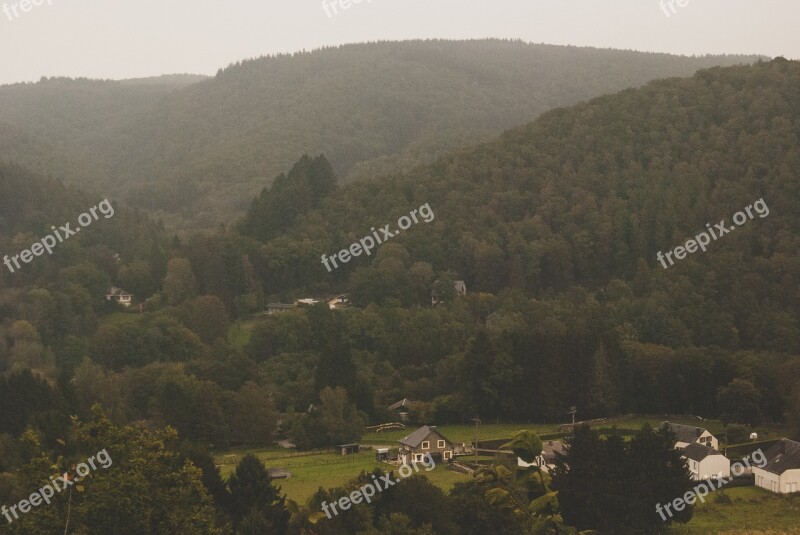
134	38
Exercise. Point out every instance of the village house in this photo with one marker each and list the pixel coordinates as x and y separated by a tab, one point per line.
424	440
402	408
705	462
782	472
338	302
687	434
120	296
546	461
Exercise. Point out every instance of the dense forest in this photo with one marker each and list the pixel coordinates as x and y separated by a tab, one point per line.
554	227
194	153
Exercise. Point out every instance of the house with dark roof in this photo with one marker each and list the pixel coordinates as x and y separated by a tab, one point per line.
782	472
402	408
425	440
546	461
705	462
688	434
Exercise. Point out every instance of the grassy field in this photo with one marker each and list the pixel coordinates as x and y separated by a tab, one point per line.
750	511
327	470
460	433
466	433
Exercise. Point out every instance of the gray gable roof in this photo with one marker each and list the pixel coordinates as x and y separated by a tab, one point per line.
416	438
685	433
698	452
402	403
783	456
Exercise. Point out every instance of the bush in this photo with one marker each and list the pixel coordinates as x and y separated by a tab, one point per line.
737	434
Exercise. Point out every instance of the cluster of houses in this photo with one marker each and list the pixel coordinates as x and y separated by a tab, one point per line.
780	474
700	449
342	301
335	302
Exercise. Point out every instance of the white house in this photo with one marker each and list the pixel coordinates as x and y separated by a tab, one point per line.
687	434
545	461
782	472
705	462
120	296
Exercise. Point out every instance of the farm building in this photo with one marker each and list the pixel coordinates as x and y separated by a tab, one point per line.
782	472
347	449
278	473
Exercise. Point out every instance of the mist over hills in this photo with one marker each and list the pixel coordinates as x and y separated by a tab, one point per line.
585	197
195	153
553	225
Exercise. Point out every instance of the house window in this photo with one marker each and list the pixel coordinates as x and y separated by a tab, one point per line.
440	444
773	486
447	455
426	445
791	487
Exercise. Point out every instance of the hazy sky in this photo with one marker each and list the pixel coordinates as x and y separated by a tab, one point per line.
133	38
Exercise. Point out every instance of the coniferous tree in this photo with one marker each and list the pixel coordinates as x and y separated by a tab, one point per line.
255	501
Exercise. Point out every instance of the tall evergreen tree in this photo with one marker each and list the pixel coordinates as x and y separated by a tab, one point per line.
255	501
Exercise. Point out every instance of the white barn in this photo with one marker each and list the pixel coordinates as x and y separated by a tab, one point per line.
781	474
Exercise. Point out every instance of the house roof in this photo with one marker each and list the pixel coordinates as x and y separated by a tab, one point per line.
309	301
416	438
278	473
550	448
685	433
783	456
697	452
402	403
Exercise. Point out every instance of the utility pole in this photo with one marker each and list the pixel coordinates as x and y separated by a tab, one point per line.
477	421
572	411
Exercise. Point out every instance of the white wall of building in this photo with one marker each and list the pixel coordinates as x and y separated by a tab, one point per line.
786	483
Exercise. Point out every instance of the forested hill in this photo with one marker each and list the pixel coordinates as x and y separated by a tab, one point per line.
203	151
31	205
586	197
57	125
